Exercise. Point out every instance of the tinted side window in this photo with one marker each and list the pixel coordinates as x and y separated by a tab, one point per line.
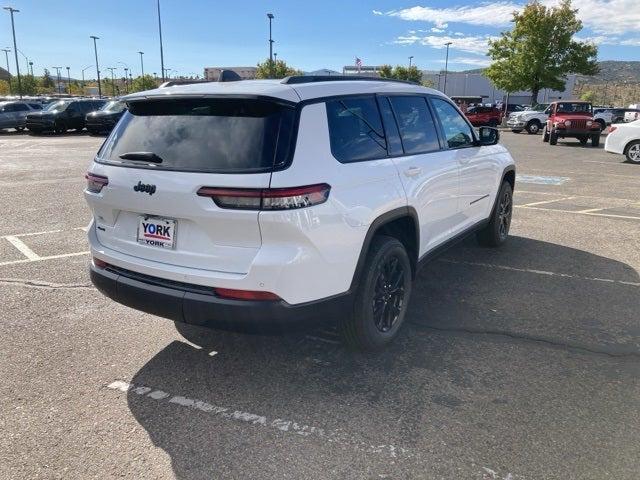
355	129
417	129
9	108
456	130
21	107
391	127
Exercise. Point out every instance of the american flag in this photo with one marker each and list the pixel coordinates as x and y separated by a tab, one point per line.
358	63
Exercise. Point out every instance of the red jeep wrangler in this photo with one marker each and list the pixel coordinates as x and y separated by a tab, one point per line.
571	119
481	116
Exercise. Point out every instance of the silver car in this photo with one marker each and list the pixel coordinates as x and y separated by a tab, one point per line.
13	114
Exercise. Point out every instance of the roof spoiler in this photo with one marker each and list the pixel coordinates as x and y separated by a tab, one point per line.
296	79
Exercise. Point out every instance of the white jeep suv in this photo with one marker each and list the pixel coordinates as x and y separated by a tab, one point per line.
270	204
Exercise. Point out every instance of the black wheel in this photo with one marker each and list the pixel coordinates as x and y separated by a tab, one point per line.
595	139
583	140
59	127
632	152
553	137
382	297
516	131
493	123
545	135
35	131
533	127
497	230
602	124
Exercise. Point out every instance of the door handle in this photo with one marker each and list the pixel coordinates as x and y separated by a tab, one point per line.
413	171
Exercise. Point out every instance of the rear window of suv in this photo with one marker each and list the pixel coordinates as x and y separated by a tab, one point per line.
203	135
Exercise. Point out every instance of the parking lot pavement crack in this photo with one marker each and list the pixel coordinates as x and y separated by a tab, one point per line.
45	285
578	347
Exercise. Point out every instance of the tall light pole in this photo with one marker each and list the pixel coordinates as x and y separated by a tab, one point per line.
57	69
446	68
6	56
83	70
126	80
11	11
410	59
95	50
161	52
270	17
31	65
141	64
113	81
68	80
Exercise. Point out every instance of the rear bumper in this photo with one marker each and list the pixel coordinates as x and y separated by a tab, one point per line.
193	304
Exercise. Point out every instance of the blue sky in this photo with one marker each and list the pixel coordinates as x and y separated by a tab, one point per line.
309	35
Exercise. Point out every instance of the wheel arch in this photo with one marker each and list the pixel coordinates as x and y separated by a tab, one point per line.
628	145
401	223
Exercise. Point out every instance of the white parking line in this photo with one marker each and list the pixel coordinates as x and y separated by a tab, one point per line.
539	272
24	249
260	421
41	259
547	201
581	212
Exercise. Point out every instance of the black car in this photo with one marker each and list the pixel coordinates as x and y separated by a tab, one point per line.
62	115
103	120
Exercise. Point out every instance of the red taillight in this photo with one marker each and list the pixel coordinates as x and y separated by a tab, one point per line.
95	183
244	294
612	129
99	263
267	198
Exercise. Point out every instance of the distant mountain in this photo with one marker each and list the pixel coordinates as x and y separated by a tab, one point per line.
611	71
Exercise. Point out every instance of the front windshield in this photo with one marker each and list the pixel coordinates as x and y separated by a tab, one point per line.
571	107
114	106
540	107
57	106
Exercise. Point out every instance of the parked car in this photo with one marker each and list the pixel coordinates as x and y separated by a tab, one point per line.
479	116
62	115
624	139
257	204
632	113
571	119
531	120
103	120
511	108
13	114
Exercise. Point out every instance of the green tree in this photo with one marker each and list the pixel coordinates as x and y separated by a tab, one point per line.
540	50
275	69
588	96
4	87
47	81
409	74
28	83
142	83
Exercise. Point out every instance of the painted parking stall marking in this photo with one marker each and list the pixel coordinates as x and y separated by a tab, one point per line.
287	426
18	241
541	179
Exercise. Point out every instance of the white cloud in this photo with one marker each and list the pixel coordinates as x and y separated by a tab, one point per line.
471	44
438	30
474	61
377	12
459	34
601	16
631	42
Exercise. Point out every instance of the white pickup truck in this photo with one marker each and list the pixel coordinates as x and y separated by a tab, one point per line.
530	120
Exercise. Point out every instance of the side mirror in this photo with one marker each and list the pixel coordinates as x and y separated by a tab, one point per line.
488	136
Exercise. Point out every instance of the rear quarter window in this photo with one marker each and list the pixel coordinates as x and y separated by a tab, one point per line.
204	135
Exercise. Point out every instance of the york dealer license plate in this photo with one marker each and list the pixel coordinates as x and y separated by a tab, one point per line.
157	232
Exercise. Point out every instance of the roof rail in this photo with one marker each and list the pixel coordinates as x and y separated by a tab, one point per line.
296	79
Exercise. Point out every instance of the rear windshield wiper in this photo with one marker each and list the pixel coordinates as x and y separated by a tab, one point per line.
141	157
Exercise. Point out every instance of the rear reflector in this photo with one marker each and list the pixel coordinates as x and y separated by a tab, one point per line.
99	263
244	294
267	198
612	129
95	183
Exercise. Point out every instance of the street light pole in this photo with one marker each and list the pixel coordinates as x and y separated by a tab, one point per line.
141	64
95	50
161	52
126	80
410	59
85	68
275	57
12	10
270	17
446	68
31	65
57	69
6	55
113	82
68	81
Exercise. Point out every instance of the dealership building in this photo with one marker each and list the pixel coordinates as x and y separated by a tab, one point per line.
211	74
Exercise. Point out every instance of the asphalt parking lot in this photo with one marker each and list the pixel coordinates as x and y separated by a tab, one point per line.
516	363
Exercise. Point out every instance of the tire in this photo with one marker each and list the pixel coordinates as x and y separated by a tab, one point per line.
602	124
595	140
379	309
632	152
583	140
553	138
545	134
533	127
516	131
59	127
493	123
495	233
